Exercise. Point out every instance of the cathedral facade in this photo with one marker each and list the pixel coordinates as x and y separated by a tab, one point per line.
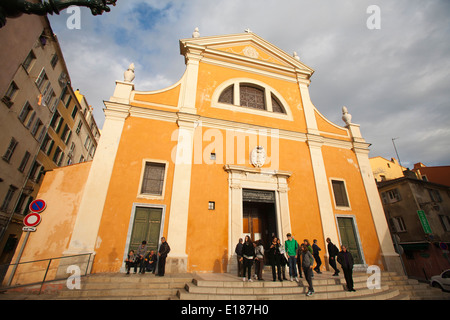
235	147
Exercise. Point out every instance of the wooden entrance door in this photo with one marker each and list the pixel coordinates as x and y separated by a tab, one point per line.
259	221
252	222
147	226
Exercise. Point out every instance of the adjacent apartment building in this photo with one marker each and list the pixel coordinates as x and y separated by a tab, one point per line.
44	124
418	213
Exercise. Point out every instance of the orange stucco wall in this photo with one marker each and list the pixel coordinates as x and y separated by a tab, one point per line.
342	164
141	139
62	190
167	97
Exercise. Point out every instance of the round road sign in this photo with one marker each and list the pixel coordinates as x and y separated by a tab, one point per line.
37	206
32	220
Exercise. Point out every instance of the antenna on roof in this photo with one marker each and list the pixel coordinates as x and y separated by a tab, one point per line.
396	151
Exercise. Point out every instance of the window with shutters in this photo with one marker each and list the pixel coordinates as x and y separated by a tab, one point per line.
10	151
29	61
7	200
340	193
153	179
397	224
41	80
391	196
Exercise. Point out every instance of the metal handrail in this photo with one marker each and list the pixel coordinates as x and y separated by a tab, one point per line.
7	266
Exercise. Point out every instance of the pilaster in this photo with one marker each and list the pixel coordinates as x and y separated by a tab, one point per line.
391	259
308	107
179	205
84	236
323	194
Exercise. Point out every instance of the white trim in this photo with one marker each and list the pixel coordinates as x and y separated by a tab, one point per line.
141	195
241	177
181	83
210	43
169	116
131	226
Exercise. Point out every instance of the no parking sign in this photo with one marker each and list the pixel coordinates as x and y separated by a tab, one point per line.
37	206
32	220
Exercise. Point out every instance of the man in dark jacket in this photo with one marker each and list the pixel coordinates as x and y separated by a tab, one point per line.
316	256
164	250
150	261
238	252
345	258
332	253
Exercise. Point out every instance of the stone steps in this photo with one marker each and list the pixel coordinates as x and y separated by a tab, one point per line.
210	286
127	287
326	287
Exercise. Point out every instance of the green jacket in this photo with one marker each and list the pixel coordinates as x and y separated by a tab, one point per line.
291	247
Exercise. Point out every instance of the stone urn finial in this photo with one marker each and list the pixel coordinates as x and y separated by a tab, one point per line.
296	57
196	33
346	117
129	74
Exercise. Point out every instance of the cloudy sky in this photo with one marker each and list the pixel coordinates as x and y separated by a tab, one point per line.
395	80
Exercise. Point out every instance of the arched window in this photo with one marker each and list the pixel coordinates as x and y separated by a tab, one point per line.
252	97
276	105
227	96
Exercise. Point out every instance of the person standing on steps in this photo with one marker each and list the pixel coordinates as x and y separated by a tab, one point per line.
275	257
238	252
291	246
299	261
259	260
248	255
307	265
316	256
164	250
308	246
345	258
283	260
332	253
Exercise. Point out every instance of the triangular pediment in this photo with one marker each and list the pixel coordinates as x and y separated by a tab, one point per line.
251	50
248	46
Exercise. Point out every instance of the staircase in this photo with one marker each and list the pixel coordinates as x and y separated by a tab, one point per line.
108	286
210	286
326	287
127	287
415	289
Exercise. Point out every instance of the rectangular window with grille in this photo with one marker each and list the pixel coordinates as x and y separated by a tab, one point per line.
153	179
